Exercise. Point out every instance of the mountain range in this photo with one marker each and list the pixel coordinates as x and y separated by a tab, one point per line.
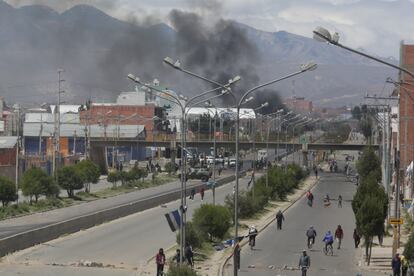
97	51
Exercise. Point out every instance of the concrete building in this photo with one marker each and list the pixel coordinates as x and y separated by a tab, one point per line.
299	105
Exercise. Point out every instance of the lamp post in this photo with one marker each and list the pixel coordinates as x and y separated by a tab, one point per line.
301	125
323	35
295	124
286	134
182	106
177	65
267	145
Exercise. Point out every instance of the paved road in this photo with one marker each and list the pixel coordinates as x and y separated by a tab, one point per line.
284	247
127	242
17	225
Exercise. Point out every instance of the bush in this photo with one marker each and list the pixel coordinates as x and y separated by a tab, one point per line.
69	180
171	168
409	248
88	172
192	237
181	271
7	191
113	177
212	219
35	182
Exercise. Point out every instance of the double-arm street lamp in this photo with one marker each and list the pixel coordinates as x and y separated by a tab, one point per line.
177	65
174	99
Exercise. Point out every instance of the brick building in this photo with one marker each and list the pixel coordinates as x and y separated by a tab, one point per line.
299	105
406	107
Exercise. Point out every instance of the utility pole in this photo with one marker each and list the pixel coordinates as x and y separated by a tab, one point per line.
56	150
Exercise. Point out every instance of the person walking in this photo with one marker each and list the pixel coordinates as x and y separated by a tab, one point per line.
339	235
202	193
237	251
189	255
396	265
160	261
309	196
177	256
304	262
279	219
357	238
404	265
339	201
193	192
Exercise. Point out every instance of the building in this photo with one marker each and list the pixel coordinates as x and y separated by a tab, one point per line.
406	107
299	105
8	154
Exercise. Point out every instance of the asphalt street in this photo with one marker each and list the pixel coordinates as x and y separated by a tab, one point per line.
125	244
278	249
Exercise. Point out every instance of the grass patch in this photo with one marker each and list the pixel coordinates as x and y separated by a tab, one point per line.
25	208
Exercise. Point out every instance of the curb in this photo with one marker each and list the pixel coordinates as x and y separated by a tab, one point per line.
221	269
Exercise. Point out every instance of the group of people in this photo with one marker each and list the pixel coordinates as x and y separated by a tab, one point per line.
399	265
193	193
160	259
326	200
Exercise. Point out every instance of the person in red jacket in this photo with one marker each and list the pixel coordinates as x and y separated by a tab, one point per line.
339	235
160	261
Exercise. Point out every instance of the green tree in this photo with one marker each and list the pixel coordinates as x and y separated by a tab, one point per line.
35	182
89	173
409	248
370	221
366	127
113	177
356	113
192	237
69	180
171	168
7	191
212	220
369	164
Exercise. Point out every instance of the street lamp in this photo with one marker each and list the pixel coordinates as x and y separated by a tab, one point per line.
177	65
183	107
323	35
267	143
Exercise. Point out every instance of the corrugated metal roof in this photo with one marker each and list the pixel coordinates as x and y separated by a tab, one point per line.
8	142
66	108
245	113
50	118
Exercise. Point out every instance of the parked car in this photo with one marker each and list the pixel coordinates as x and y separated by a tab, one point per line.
232	163
198	173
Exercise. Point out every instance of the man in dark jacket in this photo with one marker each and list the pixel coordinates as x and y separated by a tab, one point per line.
304	262
396	265
189	255
279	219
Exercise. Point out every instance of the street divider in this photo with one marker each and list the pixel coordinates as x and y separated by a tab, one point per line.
50	232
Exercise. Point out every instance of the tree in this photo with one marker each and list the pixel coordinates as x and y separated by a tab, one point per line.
89	173
171	168
192	237
35	182
356	113
69	180
366	127
113	177
212	220
370	221
7	191
369	163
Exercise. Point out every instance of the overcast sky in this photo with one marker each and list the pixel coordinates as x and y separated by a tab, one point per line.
377	26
